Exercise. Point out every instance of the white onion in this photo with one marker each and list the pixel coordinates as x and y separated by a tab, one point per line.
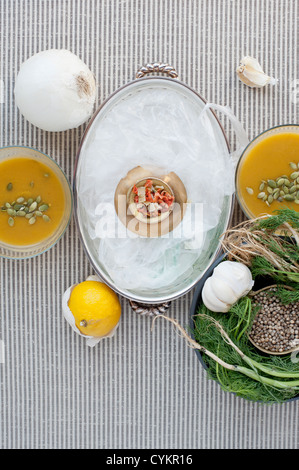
55	90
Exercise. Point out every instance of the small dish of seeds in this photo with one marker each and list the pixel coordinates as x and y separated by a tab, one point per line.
275	328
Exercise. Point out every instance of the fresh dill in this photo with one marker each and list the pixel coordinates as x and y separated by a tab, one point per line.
255	377
269	246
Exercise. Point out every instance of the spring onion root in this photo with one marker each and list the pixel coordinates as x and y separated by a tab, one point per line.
255	367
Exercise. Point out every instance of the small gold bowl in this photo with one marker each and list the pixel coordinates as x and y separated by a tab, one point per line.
133	205
267	351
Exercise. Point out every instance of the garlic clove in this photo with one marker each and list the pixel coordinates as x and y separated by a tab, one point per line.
229	282
251	73
237	275
211	301
223	291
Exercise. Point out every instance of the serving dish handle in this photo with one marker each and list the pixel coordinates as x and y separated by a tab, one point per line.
157	67
149	310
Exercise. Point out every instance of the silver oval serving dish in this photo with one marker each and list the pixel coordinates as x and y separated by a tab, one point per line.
182	282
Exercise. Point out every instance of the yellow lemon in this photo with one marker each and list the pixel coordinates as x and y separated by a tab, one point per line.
95	307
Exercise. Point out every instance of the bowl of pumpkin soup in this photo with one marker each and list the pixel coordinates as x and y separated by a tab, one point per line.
35	202
267	174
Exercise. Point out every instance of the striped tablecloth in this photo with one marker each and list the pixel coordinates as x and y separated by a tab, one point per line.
143	388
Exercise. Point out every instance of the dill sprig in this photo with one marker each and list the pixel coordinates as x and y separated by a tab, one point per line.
260	266
269	245
278	219
287	296
255	377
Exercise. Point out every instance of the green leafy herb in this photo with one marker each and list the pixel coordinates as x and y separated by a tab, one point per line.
268	245
254	377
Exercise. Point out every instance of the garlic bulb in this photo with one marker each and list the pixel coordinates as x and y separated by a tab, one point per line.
229	282
55	90
251	73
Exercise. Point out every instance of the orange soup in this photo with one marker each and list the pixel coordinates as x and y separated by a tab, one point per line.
268	176
32	201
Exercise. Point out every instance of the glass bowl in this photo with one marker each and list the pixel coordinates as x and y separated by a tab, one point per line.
282	129
29	251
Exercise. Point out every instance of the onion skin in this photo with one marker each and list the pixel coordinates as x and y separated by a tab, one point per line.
55	90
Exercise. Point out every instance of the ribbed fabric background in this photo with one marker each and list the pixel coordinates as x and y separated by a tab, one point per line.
142	388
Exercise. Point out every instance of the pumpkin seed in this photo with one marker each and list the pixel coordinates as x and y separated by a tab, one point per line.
11	212
270	199
249	190
293	189
295	175
7	205
38	199
269	189
33	206
43	207
17	207
272	183
280	182
21	213
9	187
286	189
11	221
32	220
293	166
296	201
20	200
46	218
262	186
289	197
46	175
38	213
30	201
29	215
261	195
287	182
265	198
276	194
